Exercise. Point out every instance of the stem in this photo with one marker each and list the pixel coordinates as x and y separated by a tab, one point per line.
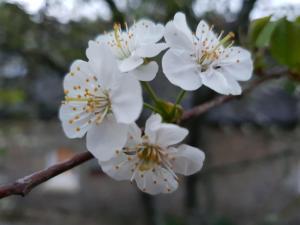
151	107
154	98
150	91
177	102
180	97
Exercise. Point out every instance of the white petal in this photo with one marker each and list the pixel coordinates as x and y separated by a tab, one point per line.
69	110
130	63
74	127
108	39
176	38
126	99
103	64
119	167
152	125
75	82
236	62
215	81
146	72
187	160
203	32
160	181
163	134
134	135
233	86
181	24
107	137
151	50
202	29
147	32
181	70
170	134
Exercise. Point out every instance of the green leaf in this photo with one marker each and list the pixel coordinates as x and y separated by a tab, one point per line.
285	44
263	39
261	31
256	28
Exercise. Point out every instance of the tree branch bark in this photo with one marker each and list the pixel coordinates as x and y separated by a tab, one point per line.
24	185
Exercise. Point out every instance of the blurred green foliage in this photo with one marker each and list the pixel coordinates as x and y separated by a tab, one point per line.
3	151
223	221
281	37
285	43
261	31
12	96
290	86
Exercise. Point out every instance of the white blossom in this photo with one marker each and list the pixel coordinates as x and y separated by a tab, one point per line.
99	101
134	47
152	159
204	58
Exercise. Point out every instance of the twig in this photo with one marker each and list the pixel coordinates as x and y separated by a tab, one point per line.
24	185
205	107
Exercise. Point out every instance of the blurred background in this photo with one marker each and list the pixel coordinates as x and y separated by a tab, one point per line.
252	171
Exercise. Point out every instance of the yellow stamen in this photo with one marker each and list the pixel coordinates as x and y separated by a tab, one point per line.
213	54
117	28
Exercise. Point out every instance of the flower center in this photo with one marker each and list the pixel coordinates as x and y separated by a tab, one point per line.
99	105
149	155
122	39
208	54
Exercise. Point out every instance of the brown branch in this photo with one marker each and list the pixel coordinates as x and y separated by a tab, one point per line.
205	107
24	185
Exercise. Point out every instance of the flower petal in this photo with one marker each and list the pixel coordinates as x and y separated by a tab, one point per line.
147	32
126	99
74	119
234	87
181	70
215	81
105	138
108	39
78	79
181	24
103	63
203	33
237	63
187	160
151	50
145	72
152	125
160	181
163	134
134	135
170	134
176	38
119	167
130	63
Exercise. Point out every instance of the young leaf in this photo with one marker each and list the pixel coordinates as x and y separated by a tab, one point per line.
256	28
263	39
285	43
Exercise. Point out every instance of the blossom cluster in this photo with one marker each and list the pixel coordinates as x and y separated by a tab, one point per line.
103	97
